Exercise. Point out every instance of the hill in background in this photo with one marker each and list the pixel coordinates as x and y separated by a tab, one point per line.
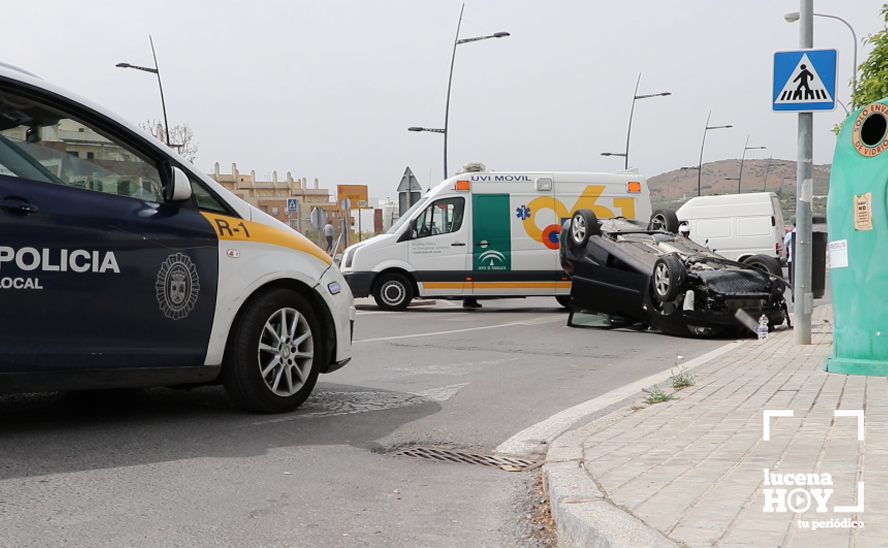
673	188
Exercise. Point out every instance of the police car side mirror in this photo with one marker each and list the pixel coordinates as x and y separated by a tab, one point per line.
178	188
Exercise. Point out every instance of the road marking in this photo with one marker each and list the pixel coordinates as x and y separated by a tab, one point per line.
450	369
528	440
532	321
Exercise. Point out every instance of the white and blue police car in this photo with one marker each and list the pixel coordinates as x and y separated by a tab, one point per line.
123	266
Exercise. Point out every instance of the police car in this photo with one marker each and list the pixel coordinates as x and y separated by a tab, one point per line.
123	266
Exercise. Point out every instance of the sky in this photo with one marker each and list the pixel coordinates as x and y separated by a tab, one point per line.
328	89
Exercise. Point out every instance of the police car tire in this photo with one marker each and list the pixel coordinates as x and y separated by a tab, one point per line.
563	300
393	292
241	372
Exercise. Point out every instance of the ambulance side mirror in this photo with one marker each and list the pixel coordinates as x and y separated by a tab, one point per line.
178	188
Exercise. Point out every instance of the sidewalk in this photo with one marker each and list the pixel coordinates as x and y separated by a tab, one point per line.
690	472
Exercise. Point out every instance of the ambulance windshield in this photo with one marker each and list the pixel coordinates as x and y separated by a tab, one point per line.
407	214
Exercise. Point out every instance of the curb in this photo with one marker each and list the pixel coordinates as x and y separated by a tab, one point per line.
584	517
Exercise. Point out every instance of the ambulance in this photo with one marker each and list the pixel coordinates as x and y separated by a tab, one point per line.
121	265
487	234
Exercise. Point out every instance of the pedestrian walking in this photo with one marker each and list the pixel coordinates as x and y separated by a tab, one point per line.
328	233
789	244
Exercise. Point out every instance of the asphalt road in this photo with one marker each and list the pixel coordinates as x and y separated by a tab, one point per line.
170	468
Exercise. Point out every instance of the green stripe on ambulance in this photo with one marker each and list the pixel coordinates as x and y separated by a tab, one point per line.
492	233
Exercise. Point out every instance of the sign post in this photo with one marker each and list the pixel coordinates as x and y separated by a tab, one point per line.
345	205
293	206
318	220
804	82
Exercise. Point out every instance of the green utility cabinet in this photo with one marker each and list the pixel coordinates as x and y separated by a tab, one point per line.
858	244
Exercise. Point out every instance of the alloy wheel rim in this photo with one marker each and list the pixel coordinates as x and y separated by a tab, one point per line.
661	279
579	228
286	352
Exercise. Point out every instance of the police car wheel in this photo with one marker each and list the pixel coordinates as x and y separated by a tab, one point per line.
393	292
275	354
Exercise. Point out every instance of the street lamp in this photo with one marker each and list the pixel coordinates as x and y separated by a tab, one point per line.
742	158
635	97
792	17
155	70
457	41
700	168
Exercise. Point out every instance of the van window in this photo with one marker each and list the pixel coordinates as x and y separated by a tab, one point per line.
753	226
441	217
713	228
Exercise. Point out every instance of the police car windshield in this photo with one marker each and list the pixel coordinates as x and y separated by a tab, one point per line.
407	214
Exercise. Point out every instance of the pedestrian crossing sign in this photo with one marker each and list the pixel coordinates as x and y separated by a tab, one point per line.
805	80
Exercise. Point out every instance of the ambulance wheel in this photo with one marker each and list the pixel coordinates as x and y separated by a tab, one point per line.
563	300
583	224
275	353
393	292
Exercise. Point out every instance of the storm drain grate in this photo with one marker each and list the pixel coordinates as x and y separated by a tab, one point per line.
506	463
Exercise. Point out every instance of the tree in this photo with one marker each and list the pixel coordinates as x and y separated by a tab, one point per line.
873	82
181	138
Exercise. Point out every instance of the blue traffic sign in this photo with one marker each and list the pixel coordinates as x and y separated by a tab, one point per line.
805	80
292	205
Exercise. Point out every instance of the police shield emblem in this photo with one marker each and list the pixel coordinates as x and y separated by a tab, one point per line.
177	286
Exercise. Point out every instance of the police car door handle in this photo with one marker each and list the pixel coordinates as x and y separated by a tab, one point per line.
458	244
15	206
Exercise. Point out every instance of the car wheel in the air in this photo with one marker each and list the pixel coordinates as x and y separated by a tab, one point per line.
583	224
664	219
393	292
763	262
275	353
668	277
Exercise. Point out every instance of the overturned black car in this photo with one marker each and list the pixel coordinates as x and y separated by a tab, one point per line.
636	274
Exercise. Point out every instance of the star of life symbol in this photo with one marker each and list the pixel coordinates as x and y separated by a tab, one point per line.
799	499
177	286
804	85
522	212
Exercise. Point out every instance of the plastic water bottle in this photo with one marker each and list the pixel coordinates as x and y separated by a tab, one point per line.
762	329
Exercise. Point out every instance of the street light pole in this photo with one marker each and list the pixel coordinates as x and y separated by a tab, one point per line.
700	166
742	158
635	97
767	171
457	41
803	296
794	16
155	70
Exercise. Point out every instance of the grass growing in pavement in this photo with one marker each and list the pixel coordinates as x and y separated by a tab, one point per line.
655	394
682	379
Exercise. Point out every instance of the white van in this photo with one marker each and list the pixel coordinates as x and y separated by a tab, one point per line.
122	265
737	226
487	234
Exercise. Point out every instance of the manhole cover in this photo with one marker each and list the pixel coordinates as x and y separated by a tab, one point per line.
443	455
